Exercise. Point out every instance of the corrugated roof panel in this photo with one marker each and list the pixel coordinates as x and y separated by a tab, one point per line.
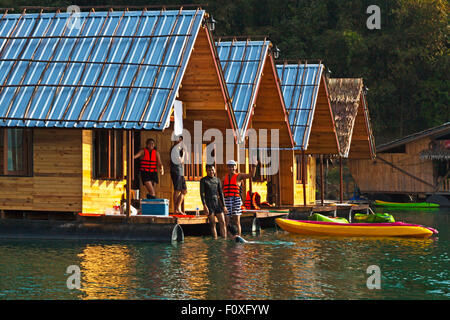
116	70
242	64
300	87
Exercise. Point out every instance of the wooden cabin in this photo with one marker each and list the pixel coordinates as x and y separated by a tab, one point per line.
75	100
418	164
312	123
351	115
251	78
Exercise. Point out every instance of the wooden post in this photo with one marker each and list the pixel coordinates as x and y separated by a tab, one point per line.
278	195
322	180
129	172
304	177
132	160
250	166
326	176
341	187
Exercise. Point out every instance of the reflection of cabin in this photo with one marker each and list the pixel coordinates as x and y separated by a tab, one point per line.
250	74
416	164
351	115
72	97
311	119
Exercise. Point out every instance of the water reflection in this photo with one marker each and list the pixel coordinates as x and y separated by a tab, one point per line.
107	272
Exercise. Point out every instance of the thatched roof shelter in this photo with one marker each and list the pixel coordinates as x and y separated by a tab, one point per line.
348	105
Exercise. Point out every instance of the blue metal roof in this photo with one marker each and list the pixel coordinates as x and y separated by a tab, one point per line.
242	65
110	69
300	87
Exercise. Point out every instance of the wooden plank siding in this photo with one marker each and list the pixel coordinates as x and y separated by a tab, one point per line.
261	188
98	195
360	144
287	177
56	181
323	138
310	183
377	176
268	111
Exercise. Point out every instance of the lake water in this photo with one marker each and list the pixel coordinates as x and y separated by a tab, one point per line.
278	266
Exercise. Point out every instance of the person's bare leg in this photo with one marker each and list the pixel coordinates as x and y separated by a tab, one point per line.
222	226
212	223
227	223
181	199
150	188
237	221
176	196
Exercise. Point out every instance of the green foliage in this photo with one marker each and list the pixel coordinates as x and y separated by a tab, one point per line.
405	64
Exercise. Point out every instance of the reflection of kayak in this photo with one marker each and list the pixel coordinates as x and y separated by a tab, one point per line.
395	229
405	205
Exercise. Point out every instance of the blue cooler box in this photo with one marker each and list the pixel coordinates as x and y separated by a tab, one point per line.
155	207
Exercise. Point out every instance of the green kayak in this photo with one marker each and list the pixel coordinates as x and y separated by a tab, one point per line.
321	217
374	218
379	203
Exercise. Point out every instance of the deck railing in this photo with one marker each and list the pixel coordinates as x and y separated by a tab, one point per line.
445	185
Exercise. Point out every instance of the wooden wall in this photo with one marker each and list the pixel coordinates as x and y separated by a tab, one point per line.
192	199
291	191
360	139
268	112
98	195
287	177
56	181
310	184
323	138
261	188
377	176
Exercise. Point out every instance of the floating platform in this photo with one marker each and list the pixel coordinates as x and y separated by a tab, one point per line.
136	228
51	225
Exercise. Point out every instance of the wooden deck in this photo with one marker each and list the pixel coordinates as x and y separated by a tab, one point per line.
51	225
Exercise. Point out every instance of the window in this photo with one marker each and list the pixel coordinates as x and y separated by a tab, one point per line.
193	168
108	155
299	171
16	152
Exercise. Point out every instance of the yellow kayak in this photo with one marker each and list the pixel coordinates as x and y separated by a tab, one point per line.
394	229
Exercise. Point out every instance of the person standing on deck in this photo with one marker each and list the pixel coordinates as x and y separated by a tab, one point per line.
177	156
213	201
150	163
231	191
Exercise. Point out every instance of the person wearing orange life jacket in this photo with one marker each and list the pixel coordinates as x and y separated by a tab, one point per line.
251	202
231	191
150	163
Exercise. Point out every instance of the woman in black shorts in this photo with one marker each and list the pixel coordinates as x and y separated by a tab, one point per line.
150	163
212	199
